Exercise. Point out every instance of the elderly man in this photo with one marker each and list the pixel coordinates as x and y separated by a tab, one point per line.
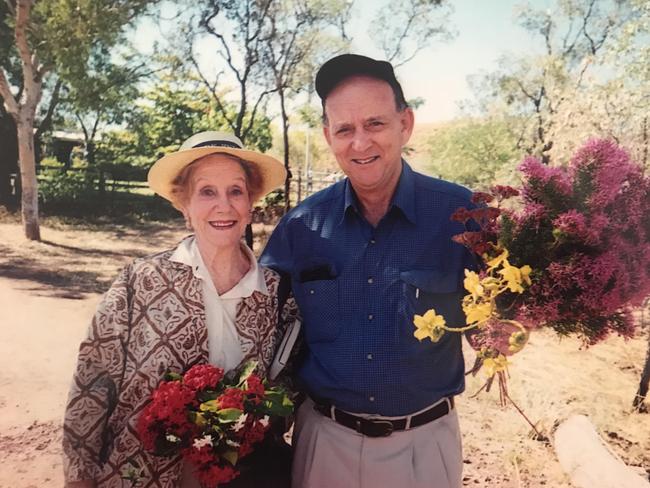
364	256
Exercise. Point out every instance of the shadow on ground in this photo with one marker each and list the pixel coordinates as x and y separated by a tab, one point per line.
58	283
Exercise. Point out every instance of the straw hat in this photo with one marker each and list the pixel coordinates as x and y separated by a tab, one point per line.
164	171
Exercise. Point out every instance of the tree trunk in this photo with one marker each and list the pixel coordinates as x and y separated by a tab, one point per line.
23	112
285	141
29	198
642	392
589	461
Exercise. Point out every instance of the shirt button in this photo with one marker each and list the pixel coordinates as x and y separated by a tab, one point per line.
372	241
371	398
369	356
370	280
311	292
370	316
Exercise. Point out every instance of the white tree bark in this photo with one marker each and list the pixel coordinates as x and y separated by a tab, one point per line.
23	111
587	459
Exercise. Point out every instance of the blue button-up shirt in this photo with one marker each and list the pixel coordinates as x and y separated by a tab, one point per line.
358	288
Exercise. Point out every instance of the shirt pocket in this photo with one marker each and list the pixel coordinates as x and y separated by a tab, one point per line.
425	289
318	301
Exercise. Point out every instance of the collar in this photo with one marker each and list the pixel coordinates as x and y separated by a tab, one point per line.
188	253
403	198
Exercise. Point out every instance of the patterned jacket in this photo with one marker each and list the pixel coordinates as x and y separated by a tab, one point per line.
150	321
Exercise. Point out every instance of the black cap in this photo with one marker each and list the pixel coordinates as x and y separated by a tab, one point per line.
344	66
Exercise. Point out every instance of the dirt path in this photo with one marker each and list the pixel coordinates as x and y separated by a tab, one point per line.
40	336
48	292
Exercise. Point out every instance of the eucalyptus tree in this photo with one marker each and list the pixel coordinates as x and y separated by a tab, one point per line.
537	91
402	29
235	30
474	152
168	112
53	38
105	94
300	35
268	51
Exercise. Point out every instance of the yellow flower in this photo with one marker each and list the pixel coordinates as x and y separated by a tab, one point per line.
476	313
491	285
493	263
472	283
515	276
429	325
494	365
517	341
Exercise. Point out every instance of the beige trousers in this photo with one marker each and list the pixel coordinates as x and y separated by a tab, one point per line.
329	455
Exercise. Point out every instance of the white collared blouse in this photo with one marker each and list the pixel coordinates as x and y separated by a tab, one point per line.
224	346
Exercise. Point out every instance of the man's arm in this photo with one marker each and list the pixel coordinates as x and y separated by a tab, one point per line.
277	253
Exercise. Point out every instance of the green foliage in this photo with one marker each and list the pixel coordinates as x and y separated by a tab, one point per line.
76	194
277	403
474	153
106	89
8	57
163	119
121	148
320	156
310	116
60	188
65	32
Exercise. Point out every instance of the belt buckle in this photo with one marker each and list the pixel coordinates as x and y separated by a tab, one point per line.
377	428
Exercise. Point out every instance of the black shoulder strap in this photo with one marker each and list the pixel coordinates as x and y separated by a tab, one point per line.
284	288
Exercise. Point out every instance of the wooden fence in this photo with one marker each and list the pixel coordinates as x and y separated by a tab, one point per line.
303	184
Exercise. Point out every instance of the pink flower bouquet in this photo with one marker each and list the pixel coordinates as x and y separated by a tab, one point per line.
572	253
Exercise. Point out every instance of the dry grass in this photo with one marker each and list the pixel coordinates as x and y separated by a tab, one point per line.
551	379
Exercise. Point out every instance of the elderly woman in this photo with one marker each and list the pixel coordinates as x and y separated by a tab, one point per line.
207	300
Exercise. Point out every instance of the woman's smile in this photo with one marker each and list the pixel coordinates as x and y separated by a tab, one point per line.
223	224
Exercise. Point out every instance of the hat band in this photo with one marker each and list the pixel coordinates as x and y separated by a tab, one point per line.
218	143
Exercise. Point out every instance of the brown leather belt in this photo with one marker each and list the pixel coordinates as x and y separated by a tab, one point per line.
378	427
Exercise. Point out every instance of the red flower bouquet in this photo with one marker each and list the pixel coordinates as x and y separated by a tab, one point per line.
212	421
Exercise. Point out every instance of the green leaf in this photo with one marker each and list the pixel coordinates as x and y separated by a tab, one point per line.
172	376
277	403
229	414
197	418
246	371
209	406
230	456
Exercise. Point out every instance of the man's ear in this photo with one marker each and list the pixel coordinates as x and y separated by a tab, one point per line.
326	133
407	121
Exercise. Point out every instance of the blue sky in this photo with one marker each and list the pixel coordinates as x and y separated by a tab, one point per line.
486	30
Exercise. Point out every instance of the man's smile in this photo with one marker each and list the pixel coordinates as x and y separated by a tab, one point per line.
369	160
